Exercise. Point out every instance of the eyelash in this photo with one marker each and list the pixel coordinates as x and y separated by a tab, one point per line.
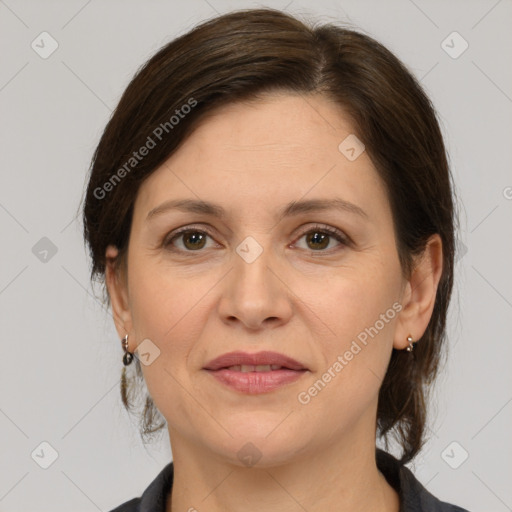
332	232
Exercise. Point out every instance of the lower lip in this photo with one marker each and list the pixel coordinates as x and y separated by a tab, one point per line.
255	383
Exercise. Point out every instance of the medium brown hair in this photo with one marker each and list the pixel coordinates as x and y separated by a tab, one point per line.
243	54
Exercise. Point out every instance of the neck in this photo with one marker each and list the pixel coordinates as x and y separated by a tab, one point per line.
340	477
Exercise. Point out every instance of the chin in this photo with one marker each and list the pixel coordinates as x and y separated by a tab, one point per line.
259	445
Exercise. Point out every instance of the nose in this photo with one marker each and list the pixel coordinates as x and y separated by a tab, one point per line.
255	294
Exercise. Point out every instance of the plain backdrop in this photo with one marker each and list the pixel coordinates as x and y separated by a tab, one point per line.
60	354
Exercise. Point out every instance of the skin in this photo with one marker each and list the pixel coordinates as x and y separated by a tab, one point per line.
304	298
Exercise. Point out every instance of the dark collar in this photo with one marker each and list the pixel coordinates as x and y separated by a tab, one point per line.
413	496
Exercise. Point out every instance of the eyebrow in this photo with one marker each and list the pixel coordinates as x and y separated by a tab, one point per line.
292	208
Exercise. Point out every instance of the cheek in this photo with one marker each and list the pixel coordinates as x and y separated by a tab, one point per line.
169	317
164	302
354	298
171	311
360	307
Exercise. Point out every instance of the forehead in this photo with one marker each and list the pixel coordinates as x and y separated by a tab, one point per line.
275	122
277	149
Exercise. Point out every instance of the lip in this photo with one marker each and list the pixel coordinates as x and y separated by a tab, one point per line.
255	382
255	359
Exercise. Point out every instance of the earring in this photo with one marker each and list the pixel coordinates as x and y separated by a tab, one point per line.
411	346
128	356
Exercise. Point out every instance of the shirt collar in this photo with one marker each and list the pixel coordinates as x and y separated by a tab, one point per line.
412	495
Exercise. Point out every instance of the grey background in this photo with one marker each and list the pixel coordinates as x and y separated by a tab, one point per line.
61	357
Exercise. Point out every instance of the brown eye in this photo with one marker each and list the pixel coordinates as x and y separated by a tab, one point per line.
193	240
319	238
187	240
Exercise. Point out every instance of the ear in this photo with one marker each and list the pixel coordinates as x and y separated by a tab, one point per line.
419	296
115	280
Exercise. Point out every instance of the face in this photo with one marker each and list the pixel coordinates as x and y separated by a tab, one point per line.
320	285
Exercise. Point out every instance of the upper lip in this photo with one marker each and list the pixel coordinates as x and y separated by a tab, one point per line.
258	358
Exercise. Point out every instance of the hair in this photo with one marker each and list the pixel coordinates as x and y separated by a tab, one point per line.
240	56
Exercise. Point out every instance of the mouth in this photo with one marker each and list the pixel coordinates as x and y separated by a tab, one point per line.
245	368
255	382
255	373
256	362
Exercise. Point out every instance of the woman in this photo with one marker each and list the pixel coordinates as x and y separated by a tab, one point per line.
271	209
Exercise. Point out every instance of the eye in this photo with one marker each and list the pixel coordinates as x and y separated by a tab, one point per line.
319	238
191	239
